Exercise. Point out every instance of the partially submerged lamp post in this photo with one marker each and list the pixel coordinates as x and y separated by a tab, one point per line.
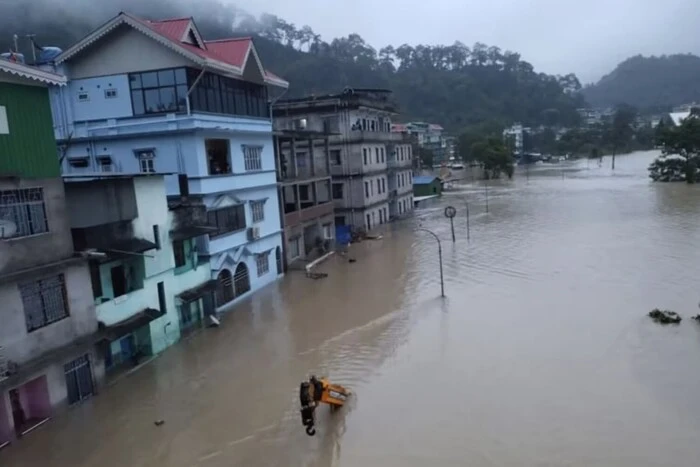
442	282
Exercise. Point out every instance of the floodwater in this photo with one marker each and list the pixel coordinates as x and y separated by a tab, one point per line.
540	355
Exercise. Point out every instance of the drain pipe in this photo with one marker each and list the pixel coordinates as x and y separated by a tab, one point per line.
189	91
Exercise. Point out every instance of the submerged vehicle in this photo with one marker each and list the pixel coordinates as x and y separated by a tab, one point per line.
315	392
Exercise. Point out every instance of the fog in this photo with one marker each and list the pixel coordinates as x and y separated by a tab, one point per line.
557	36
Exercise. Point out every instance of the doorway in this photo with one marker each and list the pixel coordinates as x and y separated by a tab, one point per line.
118	280
30	405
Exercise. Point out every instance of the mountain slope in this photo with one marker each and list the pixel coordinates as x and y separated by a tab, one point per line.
649	83
454	85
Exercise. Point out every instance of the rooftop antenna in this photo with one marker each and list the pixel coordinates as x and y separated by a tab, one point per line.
15	40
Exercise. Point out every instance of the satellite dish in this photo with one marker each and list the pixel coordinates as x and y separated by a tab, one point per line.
8	229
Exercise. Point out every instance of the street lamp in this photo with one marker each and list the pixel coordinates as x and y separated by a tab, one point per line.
442	282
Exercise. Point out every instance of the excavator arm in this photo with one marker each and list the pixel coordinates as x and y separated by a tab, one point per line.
315	392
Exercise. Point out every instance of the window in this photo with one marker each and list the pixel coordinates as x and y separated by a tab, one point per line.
104	163
262	262
369	222
383	185
337	191
158	91
294	250
217	94
252	157
162	302
364	156
79	384
257	208
218	156
83	96
381	153
179	253
331	125
227	220
156	236
146	159
327	231
408	148
4	125
45	301
335	157
379	186
366	189
386	218
376	155
110	93
381	217
22	213
339	220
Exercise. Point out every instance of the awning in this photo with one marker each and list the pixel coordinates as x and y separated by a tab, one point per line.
122	328
126	248
195	293
191	231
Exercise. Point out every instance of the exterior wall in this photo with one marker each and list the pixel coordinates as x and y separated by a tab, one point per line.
98	106
21	346
35	250
354	194
296	233
358	217
125	51
29	150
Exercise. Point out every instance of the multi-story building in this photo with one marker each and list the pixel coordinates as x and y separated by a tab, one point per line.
48	325
400	179
429	136
304	179
154	97
148	284
360	143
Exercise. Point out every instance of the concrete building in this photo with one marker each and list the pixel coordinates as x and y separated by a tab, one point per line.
148	285
360	146
304	179
429	136
154	97
48	325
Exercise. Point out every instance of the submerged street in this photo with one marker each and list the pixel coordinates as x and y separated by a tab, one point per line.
541	354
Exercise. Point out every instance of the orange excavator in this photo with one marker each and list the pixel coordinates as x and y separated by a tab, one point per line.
319	391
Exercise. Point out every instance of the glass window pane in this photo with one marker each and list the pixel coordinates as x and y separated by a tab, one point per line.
149	80
137	100
135	81
168	100
166	78
152	99
181	76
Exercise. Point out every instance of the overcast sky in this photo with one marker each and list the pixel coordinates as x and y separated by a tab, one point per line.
587	37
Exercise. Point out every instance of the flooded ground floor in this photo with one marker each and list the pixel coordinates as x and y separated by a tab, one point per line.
540	355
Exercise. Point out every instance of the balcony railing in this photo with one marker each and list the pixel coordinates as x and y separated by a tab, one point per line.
310	213
127	306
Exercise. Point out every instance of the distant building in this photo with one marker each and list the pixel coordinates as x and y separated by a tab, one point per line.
429	136
48	327
515	137
154	97
304	180
427	185
364	153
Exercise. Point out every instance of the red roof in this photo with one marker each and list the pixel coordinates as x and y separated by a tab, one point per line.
173	29
229	51
232	51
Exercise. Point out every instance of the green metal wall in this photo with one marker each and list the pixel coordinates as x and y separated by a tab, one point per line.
30	149
431	189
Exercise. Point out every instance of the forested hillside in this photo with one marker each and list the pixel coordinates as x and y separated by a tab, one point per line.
649	83
456	85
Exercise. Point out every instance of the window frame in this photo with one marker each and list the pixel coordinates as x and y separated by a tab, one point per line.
41	293
179	88
29	202
252	157
147	156
257	211
214	217
262	264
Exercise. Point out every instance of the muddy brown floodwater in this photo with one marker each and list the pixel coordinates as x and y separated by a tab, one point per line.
541	354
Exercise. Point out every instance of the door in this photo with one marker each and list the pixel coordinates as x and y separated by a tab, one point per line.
118	280
18	415
79	379
278	260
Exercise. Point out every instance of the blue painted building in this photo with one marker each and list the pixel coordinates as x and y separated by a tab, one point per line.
154	97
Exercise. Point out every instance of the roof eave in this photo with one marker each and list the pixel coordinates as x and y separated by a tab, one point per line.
26	72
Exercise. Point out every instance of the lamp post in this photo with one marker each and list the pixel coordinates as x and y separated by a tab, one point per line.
442	282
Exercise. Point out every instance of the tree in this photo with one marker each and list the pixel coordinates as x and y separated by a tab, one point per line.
621	131
494	157
680	160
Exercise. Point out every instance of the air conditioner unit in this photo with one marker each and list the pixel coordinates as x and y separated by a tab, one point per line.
253	233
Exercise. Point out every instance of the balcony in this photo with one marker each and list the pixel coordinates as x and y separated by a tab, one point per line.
231	182
128	306
358	136
307	214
